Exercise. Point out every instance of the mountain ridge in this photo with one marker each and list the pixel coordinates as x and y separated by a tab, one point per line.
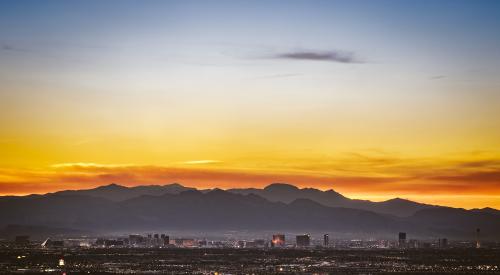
116	192
282	192
287	193
217	209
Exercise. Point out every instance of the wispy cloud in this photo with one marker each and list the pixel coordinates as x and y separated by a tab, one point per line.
390	175
436	77
10	48
465	175
87	165
201	161
329	56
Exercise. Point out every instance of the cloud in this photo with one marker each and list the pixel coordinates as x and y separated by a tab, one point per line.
10	48
436	77
7	47
492	177
486	163
88	165
391	175
77	176
373	173
330	56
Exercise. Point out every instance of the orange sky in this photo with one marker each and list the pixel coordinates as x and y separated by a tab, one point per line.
468	184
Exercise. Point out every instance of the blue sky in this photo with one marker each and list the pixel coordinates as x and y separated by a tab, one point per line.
376	29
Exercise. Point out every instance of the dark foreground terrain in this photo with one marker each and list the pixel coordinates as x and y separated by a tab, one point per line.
248	261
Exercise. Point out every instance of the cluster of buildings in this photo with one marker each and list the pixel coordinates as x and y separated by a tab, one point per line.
164	241
277	241
151	240
303	240
403	243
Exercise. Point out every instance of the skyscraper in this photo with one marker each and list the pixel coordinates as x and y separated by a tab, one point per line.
278	240
402	240
443	243
303	240
326	240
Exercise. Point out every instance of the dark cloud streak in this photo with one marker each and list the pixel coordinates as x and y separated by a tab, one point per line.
10	48
436	77
330	56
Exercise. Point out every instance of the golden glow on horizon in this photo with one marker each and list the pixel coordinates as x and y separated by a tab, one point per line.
371	175
408	156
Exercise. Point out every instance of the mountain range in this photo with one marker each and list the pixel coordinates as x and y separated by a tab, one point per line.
288	193
280	207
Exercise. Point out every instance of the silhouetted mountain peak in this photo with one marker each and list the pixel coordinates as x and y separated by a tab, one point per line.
404	203
276	192
487	210
281	187
116	192
175	184
287	193
334	193
397	199
111	186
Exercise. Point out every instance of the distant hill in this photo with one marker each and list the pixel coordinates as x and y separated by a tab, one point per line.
288	193
226	210
115	192
277	192
214	210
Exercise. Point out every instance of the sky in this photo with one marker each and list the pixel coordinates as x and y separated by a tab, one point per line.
374	99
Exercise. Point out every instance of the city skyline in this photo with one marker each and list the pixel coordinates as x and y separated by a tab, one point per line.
375	100
139	253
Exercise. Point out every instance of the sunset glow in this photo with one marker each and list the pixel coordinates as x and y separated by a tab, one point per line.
350	96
